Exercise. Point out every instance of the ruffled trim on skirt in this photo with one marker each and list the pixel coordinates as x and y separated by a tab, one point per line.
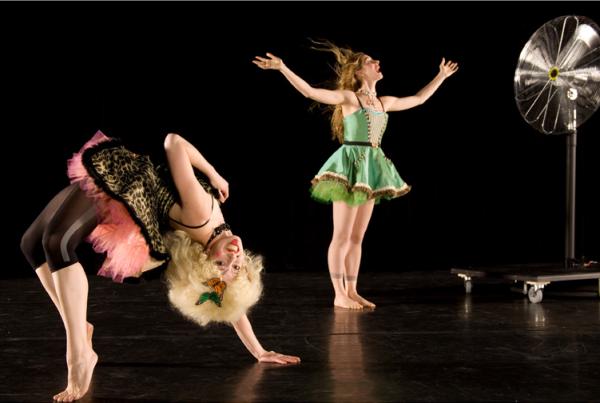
117	234
330	186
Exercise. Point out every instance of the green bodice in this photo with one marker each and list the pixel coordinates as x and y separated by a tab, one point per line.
365	125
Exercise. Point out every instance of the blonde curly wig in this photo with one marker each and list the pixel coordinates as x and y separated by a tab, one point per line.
189	268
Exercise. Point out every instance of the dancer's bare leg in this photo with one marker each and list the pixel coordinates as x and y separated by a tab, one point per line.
343	219
361	222
45	275
72	291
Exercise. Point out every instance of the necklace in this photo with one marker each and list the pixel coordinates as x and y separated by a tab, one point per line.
371	95
367	92
217	231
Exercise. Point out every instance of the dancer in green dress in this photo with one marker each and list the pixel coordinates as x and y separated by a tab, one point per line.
358	174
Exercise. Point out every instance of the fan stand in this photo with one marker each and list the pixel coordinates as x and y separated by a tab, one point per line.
536	277
570	260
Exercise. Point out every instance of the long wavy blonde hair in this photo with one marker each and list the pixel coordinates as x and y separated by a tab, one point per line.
188	270
348	62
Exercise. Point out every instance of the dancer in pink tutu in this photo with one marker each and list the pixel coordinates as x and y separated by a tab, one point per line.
141	216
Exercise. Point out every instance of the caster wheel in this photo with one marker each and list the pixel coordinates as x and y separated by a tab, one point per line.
535	296
468	286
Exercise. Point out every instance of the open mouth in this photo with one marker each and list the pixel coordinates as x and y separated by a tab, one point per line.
232	248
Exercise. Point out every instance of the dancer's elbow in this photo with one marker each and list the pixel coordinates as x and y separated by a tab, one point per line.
171	140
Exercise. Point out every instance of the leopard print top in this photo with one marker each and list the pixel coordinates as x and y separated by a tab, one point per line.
134	180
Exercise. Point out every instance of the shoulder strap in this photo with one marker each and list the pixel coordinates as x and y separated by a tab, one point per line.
360	103
212	205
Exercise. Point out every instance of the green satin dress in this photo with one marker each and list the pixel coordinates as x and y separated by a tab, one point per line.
359	170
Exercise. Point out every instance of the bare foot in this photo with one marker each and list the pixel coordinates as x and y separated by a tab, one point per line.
344	302
80	375
361	300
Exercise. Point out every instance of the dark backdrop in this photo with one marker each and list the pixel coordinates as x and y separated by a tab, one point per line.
487	188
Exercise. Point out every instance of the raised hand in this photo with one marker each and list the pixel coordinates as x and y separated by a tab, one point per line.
271	63
221	185
272	356
448	68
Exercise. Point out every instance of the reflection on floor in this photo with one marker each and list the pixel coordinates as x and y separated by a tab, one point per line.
426	341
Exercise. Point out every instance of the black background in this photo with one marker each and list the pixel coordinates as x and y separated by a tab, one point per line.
487	188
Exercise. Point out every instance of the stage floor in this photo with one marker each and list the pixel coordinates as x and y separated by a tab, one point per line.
426	341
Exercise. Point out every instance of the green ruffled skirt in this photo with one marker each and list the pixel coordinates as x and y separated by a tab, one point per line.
356	174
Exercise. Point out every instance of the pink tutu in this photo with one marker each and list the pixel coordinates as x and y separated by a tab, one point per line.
116	234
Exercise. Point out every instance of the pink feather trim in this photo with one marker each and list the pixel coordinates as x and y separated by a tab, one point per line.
116	234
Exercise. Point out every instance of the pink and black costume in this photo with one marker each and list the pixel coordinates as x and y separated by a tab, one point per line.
118	200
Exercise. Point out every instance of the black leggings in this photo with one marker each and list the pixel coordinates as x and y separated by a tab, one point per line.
63	224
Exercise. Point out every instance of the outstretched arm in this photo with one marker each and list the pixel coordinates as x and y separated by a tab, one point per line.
182	156
392	104
247	336
329	97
